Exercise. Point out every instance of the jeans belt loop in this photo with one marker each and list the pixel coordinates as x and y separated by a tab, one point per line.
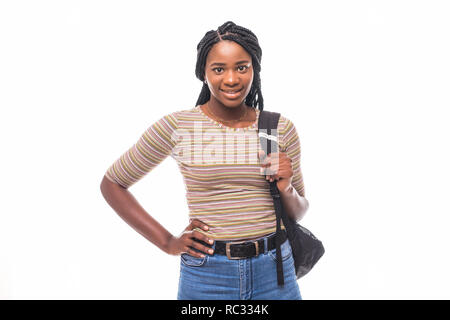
256	248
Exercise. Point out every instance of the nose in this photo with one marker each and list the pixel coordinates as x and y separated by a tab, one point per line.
231	79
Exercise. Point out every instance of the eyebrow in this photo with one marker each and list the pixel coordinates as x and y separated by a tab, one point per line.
223	64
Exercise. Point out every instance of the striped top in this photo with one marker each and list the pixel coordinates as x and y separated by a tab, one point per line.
220	167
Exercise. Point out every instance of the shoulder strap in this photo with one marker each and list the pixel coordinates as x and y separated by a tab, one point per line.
267	131
268	137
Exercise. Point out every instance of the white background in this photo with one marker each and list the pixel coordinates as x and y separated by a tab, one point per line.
366	84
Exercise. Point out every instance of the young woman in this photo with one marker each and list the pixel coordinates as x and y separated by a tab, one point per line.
228	249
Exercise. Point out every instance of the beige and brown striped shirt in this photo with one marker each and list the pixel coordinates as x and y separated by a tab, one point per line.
220	167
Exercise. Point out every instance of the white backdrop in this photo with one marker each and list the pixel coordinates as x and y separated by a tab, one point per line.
365	82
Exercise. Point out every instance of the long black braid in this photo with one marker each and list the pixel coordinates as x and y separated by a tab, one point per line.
248	40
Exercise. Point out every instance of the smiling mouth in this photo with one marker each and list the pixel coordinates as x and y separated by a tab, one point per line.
231	91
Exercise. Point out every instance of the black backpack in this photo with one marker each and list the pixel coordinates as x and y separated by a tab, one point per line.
306	248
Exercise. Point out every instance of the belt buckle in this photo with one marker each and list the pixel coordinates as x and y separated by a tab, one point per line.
228	250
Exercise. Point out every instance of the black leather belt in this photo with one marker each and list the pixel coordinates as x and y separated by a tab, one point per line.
246	249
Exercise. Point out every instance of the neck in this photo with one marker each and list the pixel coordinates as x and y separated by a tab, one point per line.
226	113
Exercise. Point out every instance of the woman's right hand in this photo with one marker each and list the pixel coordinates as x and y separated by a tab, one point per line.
185	242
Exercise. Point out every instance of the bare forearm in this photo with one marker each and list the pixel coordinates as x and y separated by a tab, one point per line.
294	204
128	208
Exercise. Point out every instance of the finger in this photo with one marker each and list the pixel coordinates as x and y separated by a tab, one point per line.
271	170
201	247
194	253
195	223
265	171
281	158
261	155
269	164
286	160
284	156
264	158
202	237
282	174
274	177
268	172
274	156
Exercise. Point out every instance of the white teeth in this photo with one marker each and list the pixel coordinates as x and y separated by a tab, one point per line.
230	92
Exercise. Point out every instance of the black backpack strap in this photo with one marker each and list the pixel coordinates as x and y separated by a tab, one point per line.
268	137
267	131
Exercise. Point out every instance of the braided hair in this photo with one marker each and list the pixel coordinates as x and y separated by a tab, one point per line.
248	40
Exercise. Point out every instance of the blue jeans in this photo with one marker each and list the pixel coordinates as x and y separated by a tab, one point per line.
215	277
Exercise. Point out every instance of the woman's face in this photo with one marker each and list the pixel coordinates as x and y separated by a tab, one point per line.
229	69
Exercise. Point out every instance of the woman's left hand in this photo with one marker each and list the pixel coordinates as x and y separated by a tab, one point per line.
277	166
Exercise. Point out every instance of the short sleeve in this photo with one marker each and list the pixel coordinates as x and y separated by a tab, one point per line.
154	145
290	143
